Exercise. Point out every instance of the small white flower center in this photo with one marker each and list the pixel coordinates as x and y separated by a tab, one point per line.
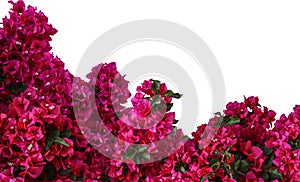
29	146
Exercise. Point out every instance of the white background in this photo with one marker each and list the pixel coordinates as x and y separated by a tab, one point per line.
256	42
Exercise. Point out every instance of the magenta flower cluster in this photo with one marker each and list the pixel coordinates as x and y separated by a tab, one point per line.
50	131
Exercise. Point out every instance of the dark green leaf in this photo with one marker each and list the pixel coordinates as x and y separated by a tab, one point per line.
170	93
50	171
228	167
56	133
80	178
60	141
186	138
236	164
269	162
265	176
205	178
215	163
217	152
244	166
298	140
169	106
156	85
231	121
64	172
274	174
73	177
227	148
175	121
66	134
228	155
48	144
238	157
163	161
241	173
267	151
22	88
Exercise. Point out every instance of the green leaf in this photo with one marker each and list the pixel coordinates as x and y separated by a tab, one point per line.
130	153
146	156
156	85
66	134
175	121
267	151
22	88
228	167
244	166
56	133
170	93
238	157
169	106
204	178
60	141
137	160
182	170
236	164
48	144
265	176
269	162
73	178
241	173
186	138
64	172
80	178
215	163
227	148
274	174
231	121
141	148
163	161
50	171
298	140
155	100
217	152
228	155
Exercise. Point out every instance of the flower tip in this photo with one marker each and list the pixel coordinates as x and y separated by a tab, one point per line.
18	7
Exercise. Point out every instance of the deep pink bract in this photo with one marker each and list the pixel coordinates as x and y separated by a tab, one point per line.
40	138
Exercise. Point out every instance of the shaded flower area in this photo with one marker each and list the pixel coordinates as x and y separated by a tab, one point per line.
45	137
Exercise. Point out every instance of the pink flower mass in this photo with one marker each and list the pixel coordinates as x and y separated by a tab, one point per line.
40	137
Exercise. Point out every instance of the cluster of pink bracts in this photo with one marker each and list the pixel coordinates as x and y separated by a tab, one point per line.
41	139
